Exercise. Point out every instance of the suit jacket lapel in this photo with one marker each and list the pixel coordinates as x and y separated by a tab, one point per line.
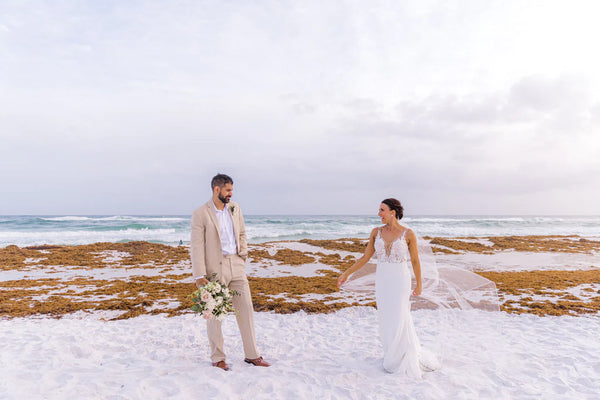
235	229
213	217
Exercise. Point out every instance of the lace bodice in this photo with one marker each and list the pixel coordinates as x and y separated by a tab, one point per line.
395	252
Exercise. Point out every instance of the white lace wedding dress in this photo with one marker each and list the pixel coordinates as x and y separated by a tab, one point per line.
401	347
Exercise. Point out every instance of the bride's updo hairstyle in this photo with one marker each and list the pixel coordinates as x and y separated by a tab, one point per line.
395	205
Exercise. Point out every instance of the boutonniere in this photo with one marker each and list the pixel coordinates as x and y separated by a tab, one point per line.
232	209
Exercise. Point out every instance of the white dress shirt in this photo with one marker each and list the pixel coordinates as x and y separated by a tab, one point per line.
228	243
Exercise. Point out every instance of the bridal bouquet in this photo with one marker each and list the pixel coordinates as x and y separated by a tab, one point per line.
213	300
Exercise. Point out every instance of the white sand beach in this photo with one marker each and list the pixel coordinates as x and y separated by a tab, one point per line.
333	356
74	348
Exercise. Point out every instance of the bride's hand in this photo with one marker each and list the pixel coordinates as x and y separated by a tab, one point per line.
418	290
341	280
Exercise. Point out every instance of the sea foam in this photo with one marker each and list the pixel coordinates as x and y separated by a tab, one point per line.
170	229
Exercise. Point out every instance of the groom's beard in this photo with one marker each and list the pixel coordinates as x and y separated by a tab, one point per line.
224	199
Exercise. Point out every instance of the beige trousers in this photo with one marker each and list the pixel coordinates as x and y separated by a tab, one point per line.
233	275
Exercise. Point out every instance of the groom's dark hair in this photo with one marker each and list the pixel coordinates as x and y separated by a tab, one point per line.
220	180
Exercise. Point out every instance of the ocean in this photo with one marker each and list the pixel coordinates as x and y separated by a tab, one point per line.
170	229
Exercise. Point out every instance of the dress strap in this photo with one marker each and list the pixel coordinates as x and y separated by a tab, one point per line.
404	234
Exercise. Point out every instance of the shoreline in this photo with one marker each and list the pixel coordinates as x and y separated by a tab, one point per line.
77	230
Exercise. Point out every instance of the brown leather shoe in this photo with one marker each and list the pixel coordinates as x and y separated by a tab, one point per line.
259	362
221	364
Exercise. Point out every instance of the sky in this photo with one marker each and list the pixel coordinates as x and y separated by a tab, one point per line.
453	107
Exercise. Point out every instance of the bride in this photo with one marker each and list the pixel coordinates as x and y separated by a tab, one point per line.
397	251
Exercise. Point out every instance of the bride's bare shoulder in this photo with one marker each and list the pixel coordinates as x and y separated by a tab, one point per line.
410	234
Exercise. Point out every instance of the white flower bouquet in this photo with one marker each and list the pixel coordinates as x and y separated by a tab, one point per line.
213	300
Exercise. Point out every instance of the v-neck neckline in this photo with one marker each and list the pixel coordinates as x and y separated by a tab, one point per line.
389	245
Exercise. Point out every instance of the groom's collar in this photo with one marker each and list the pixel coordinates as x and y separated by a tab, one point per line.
211	201
215	206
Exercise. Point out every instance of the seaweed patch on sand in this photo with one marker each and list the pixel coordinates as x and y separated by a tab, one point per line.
492	244
548	292
96	255
125	280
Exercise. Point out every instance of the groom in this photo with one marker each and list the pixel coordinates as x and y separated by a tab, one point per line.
219	246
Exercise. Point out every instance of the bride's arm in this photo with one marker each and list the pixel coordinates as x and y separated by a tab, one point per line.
411	238
361	261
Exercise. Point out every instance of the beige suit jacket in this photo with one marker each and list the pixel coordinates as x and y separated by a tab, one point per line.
206	251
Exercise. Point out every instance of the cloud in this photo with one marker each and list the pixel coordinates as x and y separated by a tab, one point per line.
514	141
313	107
